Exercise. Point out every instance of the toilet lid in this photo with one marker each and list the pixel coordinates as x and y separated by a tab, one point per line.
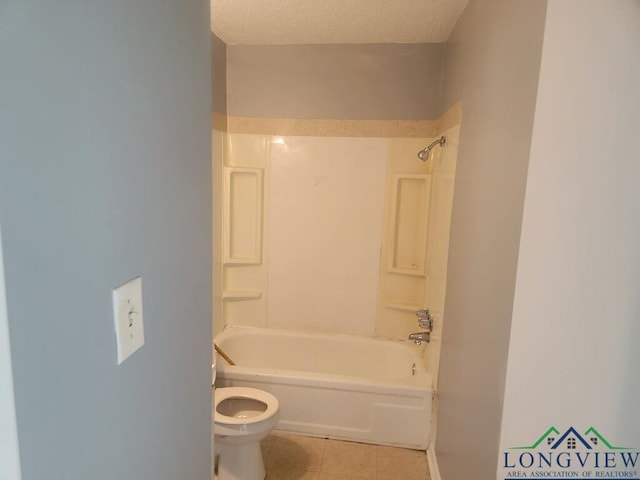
225	393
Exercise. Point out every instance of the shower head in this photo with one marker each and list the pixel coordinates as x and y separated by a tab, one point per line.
424	153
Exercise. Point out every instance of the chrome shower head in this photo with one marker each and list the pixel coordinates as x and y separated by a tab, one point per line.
424	153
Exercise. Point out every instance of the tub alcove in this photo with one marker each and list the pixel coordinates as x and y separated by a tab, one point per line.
325	248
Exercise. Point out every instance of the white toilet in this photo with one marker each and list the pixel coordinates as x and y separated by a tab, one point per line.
243	416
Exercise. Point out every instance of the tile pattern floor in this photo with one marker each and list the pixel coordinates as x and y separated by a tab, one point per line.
294	457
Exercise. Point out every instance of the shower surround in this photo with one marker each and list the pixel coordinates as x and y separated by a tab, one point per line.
333	234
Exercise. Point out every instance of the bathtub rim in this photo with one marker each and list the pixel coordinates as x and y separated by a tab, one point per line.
314	379
235	330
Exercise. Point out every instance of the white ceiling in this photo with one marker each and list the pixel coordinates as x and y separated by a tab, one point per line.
279	22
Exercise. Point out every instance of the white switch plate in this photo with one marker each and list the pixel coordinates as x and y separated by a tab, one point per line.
127	316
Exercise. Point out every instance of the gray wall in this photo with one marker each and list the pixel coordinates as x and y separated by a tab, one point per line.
577	286
375	82
105	174
10	464
493	61
219	75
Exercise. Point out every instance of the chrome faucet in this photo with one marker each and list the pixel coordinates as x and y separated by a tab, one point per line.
425	320
420	337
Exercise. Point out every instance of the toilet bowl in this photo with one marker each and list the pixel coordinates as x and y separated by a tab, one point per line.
243	416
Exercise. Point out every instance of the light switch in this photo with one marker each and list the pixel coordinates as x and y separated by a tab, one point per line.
127	316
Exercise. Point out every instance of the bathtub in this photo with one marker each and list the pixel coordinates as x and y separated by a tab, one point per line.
335	386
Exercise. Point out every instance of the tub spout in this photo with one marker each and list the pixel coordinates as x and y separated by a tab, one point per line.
420	337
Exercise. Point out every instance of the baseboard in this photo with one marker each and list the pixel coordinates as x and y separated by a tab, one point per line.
434	471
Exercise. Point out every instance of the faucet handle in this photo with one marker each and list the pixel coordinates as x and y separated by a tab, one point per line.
425	320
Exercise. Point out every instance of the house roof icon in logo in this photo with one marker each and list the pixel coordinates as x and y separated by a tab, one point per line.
570	439
597	439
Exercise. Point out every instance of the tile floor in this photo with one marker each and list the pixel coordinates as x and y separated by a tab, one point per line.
294	457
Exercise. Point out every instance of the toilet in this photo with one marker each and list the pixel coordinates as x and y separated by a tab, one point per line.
243	416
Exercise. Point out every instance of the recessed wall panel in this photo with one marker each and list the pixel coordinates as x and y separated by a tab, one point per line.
410	218
243	216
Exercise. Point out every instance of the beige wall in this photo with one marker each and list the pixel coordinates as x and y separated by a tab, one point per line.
493	60
373	82
219	106
218	75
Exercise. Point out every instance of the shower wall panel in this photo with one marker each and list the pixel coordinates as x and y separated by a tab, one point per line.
325	233
438	243
402	276
413	270
245	227
336	234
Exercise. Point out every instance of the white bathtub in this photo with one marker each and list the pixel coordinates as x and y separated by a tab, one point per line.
336	386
